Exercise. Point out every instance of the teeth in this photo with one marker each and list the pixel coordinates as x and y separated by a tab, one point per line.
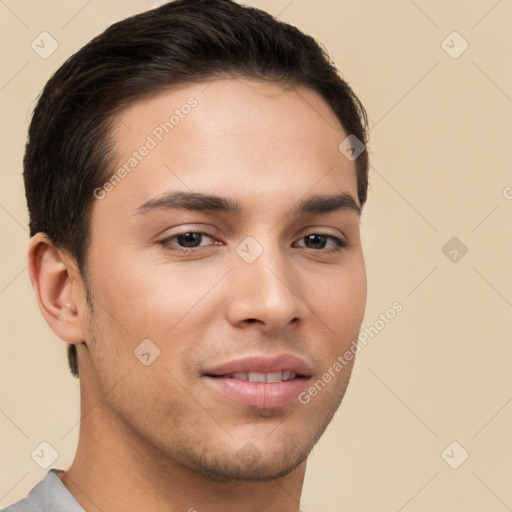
256	377
264	377
274	377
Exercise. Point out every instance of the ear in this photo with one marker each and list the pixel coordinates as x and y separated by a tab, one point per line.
58	287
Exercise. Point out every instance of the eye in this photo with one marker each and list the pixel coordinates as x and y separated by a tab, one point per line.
318	241
190	240
186	240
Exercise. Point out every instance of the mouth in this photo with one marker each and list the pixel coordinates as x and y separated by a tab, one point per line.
261	382
261	377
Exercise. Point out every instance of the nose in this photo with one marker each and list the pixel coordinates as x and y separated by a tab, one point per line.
265	292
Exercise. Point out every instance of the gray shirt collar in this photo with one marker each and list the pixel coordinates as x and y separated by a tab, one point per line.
49	495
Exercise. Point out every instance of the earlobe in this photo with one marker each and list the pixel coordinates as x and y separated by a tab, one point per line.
53	275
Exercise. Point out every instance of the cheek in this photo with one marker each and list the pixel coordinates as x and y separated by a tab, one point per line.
169	292
339	300
159	301
130	288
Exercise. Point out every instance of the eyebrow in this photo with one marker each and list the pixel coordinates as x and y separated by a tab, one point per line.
207	202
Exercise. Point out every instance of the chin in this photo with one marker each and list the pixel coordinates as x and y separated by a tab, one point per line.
250	465
253	454
250	461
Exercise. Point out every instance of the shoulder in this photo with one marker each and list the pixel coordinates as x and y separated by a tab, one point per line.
49	495
24	505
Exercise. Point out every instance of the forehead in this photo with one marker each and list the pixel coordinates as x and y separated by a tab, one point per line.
245	138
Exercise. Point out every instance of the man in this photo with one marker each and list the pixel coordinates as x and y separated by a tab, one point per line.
195	177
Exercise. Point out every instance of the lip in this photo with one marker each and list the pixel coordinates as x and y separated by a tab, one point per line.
262	364
261	395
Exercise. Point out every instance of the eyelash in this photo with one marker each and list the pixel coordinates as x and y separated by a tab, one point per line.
340	243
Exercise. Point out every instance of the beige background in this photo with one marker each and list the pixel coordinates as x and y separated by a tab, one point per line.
440	149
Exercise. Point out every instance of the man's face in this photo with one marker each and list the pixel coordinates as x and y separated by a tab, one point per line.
264	293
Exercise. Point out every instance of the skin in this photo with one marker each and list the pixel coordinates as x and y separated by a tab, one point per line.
158	437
